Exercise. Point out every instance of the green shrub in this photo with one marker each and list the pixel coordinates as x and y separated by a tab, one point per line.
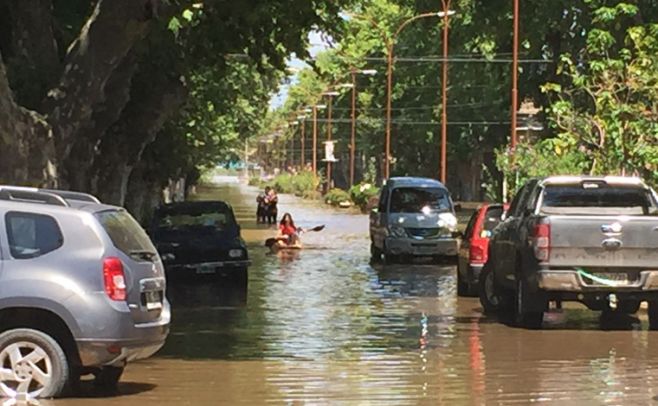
337	196
303	184
362	193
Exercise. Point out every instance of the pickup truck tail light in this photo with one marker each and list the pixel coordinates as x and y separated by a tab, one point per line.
114	279
477	255
542	242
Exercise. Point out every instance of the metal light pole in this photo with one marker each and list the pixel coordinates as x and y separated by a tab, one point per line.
330	96
390	45
446	13
302	141
315	141
515	74
353	135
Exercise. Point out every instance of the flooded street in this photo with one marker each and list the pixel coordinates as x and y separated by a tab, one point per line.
324	326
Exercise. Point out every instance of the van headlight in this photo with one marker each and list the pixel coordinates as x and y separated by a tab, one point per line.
397	231
235	253
448	220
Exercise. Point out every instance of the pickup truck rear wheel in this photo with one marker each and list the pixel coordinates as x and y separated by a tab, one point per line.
524	317
31	363
490	295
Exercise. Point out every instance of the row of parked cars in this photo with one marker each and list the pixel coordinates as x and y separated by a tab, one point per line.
82	284
592	240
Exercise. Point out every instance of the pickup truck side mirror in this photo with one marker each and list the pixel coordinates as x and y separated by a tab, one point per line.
458	207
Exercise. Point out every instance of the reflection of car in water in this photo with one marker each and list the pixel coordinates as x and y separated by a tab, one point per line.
200	238
415	217
475	246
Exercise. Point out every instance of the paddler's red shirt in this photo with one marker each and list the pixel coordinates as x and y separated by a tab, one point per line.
287	230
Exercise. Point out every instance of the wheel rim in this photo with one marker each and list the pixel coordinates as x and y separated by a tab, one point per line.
25	369
489	289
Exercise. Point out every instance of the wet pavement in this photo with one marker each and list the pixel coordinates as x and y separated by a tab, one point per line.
324	326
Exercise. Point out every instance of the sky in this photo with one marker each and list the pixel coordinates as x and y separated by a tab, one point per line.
318	44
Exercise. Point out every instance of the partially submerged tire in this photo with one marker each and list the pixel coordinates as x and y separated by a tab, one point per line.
524	317
107	379
32	364
489	294
375	253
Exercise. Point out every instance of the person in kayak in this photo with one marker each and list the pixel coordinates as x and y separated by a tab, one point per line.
288	235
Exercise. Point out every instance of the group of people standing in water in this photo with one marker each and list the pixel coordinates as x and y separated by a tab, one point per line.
267	211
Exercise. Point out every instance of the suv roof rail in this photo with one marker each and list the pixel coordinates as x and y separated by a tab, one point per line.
65	194
32	196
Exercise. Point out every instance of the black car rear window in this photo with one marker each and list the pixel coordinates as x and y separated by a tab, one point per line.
597	199
218	217
124	231
492	218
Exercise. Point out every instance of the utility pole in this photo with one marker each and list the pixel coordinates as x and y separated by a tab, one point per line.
315	140
329	129
444	93
353	137
515	74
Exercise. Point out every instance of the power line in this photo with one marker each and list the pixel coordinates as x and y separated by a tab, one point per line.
432	59
410	122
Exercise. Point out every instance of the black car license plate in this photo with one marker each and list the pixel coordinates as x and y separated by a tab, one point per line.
153	300
206	269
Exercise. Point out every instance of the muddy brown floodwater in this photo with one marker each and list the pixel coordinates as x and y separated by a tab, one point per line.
323	326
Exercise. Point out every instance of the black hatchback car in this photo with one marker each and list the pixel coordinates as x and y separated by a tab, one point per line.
200	239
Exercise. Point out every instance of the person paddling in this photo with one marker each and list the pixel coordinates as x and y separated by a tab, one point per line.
288	235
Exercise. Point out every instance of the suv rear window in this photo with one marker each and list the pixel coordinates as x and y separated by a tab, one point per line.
125	232
598	199
32	235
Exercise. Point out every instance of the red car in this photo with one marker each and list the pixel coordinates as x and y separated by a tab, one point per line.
474	247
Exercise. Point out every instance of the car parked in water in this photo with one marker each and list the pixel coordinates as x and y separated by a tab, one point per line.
593	240
474	247
200	239
414	217
82	291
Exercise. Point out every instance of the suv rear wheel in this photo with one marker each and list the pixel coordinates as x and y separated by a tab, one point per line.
31	363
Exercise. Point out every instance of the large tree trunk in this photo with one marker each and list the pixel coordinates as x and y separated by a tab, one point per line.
107	37
77	169
123	145
26	143
29	49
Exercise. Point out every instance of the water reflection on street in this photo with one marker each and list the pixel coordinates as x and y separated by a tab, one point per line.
323	325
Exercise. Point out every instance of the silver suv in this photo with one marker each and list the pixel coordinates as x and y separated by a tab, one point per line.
82	291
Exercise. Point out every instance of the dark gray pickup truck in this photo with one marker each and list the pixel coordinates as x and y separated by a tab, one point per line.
592	240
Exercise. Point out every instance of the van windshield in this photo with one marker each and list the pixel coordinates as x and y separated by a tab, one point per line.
420	200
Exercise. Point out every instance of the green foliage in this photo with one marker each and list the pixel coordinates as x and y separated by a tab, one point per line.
336	197
303	184
362	193
606	110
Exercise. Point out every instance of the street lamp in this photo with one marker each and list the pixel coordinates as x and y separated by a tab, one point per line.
315	109
330	95
515	75
390	45
302	119
445	14
354	72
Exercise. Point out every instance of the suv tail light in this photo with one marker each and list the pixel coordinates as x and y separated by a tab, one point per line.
114	278
477	254
542	241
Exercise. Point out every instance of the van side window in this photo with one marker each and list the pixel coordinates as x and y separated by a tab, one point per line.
32	235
